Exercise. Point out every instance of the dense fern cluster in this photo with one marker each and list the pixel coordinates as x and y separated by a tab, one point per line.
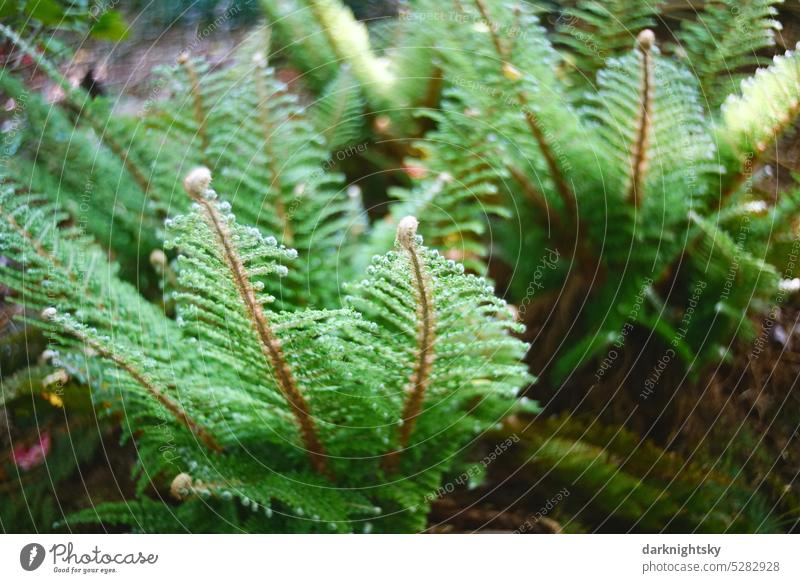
250	395
281	362
625	168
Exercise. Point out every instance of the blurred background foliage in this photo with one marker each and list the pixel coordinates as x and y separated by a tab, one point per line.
714	453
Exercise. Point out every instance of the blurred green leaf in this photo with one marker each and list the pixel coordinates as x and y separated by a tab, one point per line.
8	8
47	12
110	26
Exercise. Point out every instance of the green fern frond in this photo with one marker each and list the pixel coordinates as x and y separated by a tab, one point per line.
73	167
442	324
299	38
339	112
619	481
767	105
455	188
272	160
734	283
657	151
724	41
596	32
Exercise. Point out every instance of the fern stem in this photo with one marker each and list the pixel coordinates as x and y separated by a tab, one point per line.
495	39
177	411
197	97
565	192
276	183
426	336
196	185
646	39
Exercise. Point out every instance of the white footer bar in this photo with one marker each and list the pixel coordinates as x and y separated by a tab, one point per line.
406	559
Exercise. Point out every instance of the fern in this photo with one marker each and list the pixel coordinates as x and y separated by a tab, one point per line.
766	107
596	32
439	328
339	112
622	483
300	38
725	41
286	404
253	394
271	158
75	169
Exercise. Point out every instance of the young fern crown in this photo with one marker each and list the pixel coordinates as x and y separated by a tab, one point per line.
419	362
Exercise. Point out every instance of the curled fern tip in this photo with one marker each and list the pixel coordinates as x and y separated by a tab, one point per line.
406	231
181	484
646	39
197	181
49	313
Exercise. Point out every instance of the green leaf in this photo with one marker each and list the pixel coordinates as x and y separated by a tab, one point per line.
110	26
45	11
8	8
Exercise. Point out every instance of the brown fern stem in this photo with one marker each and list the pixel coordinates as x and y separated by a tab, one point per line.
275	175
560	181
495	39
176	410
646	39
426	336
197	97
196	184
564	191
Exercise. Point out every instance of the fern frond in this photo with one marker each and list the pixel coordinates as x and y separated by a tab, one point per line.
657	154
521	88
61	268
197	183
75	168
440	324
734	283
457	192
299	38
724	40
338	114
768	104
264	149
504	113
349	41
84	306
96	344
596	32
